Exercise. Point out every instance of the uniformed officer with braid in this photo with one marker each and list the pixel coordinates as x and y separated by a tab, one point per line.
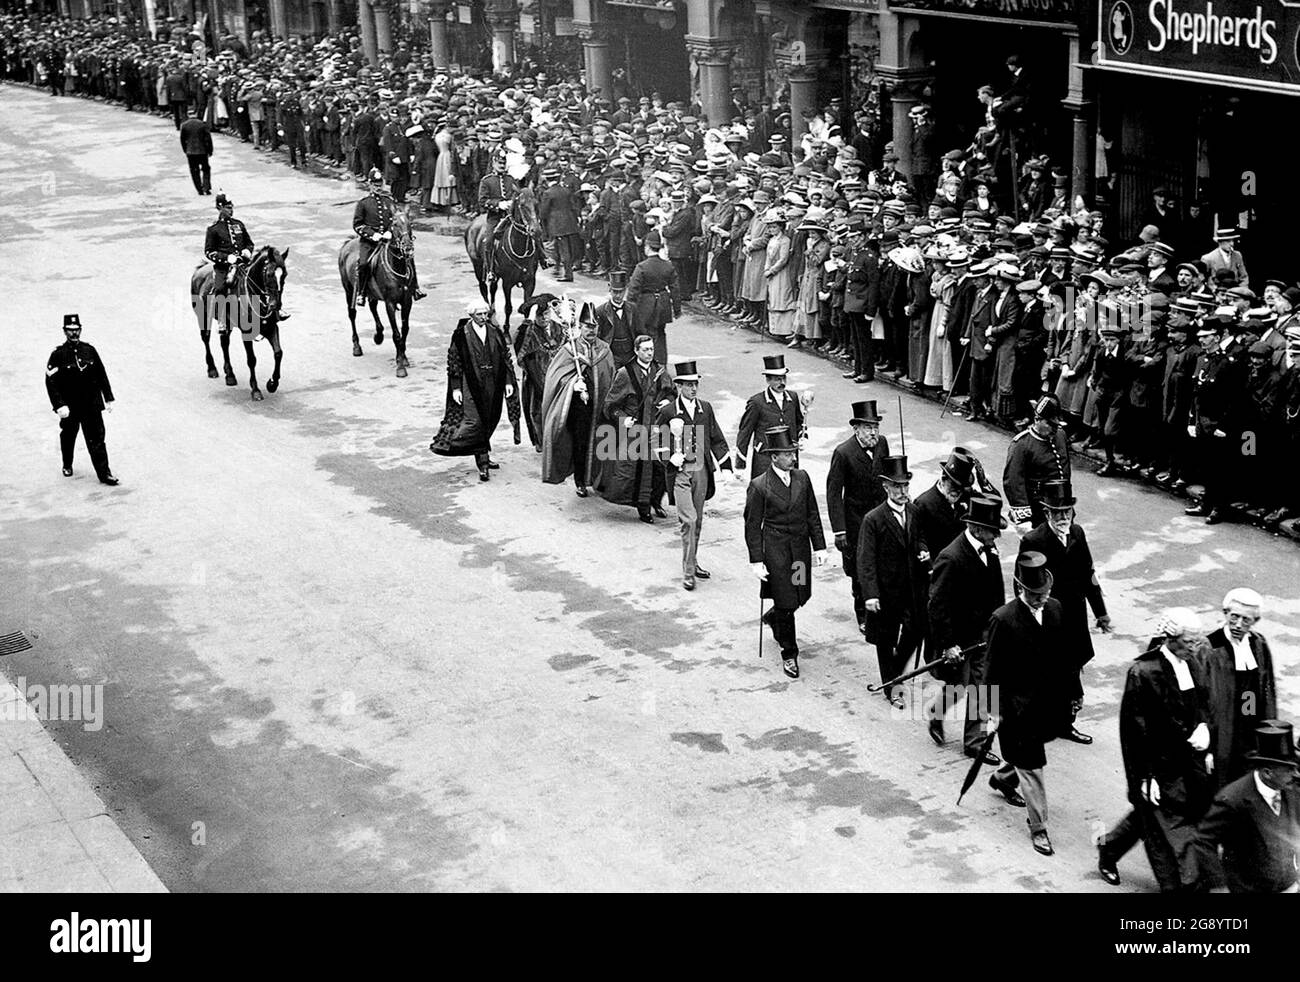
1036	455
79	392
372	220
226	245
496	193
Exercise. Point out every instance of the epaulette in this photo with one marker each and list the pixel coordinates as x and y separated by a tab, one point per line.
1019	435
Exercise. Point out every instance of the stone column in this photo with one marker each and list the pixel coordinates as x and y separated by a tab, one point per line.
903	81
366	22
503	18
712	56
383	27
803	95
439	48
333	15
595	59
279	19
1082	147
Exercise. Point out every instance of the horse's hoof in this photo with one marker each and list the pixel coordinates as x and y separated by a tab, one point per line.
213	373
401	371
257	395
231	380
379	338
356	351
272	384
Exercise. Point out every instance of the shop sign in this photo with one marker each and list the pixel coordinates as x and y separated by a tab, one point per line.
1062	13
1248	43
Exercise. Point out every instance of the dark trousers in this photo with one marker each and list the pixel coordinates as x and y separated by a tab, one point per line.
178	112
200	172
960	363
401	182
685	276
860	328
614	240
293	139
369	153
579	427
91	423
981	384
781	622
1219	466
1143	824
896	643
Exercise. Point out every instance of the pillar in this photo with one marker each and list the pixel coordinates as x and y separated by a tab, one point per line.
367	25
279	20
803	95
383	29
439	48
595	60
712	57
334	15
503	18
1080	108
904	80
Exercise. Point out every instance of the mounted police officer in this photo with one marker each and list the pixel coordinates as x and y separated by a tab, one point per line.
496	193
372	220
227	244
79	392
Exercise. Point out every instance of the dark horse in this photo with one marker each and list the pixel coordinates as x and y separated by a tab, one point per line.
252	303
517	253
390	282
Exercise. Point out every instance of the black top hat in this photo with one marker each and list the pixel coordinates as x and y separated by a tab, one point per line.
1056	494
777	439
960	468
1032	573
865	412
1274	745
71	320
894	469
685	371
987	511
618	279
774	365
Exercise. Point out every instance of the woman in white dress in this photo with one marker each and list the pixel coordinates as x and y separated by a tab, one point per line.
444	169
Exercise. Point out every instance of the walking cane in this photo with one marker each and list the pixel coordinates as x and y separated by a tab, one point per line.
955	375
1015	173
902	438
760	623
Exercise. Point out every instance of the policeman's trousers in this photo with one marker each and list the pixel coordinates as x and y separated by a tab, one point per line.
91	423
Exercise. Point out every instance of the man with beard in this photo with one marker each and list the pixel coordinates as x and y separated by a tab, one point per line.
614	321
1237	666
783	528
1075	587
772	408
577	382
894	570
632	474
853	488
940	508
480	375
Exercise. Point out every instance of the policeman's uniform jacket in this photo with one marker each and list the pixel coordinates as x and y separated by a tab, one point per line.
495	188
1031	460
224	237
763	412
782	528
75	377
652	293
373	215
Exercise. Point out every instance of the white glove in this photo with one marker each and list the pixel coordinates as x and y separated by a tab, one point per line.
628	421
456	396
64	412
677	459
1191	429
246	254
1152	792
510	390
1209	763
108	407
387	235
1024	528
1200	738
505	203
873	605
819	558
232	258
759	570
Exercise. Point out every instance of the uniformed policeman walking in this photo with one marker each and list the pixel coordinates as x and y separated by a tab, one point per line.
1036	455
79	392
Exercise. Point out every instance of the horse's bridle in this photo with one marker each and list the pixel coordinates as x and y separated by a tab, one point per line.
266	304
518	257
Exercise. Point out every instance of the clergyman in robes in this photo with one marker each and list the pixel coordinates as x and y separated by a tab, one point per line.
578	380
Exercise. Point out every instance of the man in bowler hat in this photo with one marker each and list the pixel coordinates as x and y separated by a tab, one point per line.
79	392
853	488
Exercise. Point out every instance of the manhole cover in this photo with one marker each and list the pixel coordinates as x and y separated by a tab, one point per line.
13	643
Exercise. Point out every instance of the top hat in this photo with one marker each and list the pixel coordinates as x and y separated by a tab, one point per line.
777	439
985	510
1032	573
865	412
894	469
1056	494
1274	745
618	279
960	468
774	365
685	371
71	320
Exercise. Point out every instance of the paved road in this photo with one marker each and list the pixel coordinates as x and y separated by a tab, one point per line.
360	669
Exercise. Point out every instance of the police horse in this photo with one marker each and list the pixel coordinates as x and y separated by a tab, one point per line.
390	284
251	304
517	254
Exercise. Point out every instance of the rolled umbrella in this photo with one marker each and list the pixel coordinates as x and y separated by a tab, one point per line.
919	671
974	770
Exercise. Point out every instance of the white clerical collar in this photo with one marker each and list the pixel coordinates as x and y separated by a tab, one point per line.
1272	796
1181	671
1243	658
784	476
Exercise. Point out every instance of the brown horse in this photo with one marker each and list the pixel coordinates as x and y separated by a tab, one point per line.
252	303
390	283
517	254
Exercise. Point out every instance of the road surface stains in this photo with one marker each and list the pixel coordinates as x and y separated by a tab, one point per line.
710	743
565	663
845	831
953	865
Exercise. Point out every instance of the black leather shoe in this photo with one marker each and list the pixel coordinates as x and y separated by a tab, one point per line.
1074	735
582	492
493	465
1042	843
1009	793
688	583
935	729
990	758
1107	470
701	573
791	667
110	480
483	474
1196	510
419	295
67	472
646	517
1215	516
1106	867
659	512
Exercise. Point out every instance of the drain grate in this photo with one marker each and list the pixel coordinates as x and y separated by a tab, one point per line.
11	644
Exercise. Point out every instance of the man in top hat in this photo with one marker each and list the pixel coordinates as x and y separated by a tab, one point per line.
226	244
966	586
1225	257
1027	670
1037	454
1237	665
1255	820
635	476
771	408
783	530
614	320
696	447
1075	586
853	488
1165	740
893	563
558	211
77	384
653	295
939	508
